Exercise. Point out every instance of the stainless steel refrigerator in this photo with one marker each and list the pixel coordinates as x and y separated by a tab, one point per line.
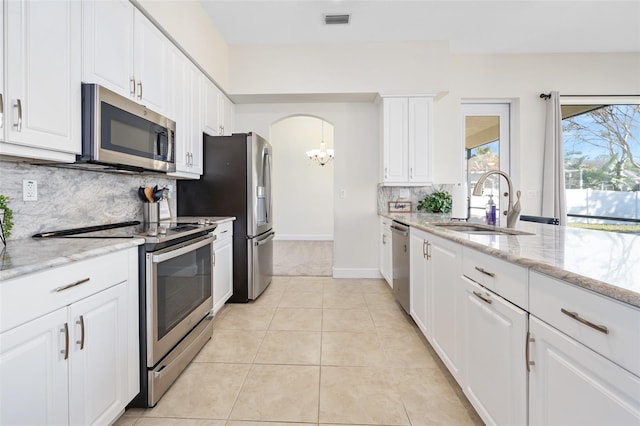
236	181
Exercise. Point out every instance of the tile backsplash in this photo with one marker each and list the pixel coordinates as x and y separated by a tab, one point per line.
70	198
405	193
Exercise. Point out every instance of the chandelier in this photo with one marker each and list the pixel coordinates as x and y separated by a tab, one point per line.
322	155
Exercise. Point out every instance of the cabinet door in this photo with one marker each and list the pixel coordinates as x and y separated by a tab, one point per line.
494	346
179	90
212	109
444	307
150	64
420	139
386	261
98	360
228	111
33	372
43	76
196	81
107	56
418	282
222	272
3	106
570	384
394	139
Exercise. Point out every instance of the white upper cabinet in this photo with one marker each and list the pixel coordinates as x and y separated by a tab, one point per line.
125	52
185	107
406	140
41	88
217	111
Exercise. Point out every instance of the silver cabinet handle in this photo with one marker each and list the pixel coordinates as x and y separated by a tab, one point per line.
132	86
18	124
411	172
65	351
428	250
576	316
80	322
68	286
214	259
424	249
384	239
528	340
482	270
1	111
386	175
482	297
222	134
140	87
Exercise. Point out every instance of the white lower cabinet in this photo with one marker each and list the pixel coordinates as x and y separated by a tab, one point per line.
69	345
386	250
418	282
98	356
495	333
435	296
34	373
222	265
572	385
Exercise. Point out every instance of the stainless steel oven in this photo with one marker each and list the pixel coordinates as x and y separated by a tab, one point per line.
179	282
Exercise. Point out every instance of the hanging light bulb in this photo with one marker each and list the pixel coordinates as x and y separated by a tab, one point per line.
322	155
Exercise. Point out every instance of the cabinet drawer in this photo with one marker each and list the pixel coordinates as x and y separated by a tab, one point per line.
28	297
503	278
608	327
223	230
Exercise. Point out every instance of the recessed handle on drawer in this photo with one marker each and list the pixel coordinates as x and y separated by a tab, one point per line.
482	297
68	286
482	270
576	316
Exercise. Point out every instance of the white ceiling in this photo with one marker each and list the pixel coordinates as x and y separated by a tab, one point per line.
471	27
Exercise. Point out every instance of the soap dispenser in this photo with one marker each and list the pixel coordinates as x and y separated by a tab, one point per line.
490	211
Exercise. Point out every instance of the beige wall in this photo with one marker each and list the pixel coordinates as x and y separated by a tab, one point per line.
302	189
355	171
189	25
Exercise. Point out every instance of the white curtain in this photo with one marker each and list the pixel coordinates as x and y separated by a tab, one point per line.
554	202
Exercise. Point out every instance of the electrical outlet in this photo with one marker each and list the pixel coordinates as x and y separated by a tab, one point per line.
29	190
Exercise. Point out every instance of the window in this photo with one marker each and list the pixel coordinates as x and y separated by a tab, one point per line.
602	162
486	147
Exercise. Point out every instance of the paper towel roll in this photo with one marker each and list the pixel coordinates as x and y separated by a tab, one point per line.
459	200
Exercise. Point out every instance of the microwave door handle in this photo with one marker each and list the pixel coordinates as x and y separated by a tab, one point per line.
170	254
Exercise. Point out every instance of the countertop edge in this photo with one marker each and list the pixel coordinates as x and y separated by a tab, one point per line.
64	260
605	289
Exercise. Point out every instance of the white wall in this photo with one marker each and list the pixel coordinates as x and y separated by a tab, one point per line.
356	144
428	67
189	25
303	190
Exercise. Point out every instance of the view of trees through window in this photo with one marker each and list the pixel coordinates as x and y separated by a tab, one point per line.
602	165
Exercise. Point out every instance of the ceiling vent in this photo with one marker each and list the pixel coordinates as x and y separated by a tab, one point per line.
336	19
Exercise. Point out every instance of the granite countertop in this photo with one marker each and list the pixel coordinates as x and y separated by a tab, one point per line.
607	263
28	255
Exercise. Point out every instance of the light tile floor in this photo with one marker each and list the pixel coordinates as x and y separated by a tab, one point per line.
313	351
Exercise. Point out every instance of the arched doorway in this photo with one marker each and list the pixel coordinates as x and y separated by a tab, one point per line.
303	197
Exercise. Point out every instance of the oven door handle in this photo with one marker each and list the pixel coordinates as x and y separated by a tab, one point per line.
170	254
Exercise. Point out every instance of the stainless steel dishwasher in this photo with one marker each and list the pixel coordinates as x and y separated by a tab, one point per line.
400	263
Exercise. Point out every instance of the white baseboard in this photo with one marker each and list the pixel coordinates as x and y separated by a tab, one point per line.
303	237
356	273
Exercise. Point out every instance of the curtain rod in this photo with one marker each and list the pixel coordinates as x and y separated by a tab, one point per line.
546	96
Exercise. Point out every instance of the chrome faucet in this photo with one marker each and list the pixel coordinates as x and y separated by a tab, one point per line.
513	212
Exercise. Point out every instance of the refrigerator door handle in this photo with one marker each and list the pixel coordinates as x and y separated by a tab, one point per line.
264	240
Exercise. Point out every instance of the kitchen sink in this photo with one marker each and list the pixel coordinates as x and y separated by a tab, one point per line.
477	229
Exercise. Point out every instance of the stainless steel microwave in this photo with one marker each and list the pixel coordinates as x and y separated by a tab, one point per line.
120	134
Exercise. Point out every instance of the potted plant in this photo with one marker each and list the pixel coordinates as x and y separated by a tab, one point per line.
436	202
6	216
